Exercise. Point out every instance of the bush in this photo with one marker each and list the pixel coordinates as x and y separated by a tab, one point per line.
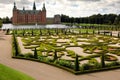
29	55
21	55
35	54
110	58
114	63
95	63
15	45
76	63
103	60
55	56
86	66
0	23
65	63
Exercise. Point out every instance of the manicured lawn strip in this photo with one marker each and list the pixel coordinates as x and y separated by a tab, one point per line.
7	73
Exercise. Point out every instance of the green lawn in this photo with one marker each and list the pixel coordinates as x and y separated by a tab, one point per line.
7	73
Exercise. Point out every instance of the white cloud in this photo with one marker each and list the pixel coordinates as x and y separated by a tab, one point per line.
76	8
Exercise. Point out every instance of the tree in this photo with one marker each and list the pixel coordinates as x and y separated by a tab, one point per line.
32	32
6	20
103	60
55	55
93	19
0	23
23	32
15	45
76	63
35	54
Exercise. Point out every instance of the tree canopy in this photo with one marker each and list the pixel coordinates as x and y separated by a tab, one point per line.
0	23
94	19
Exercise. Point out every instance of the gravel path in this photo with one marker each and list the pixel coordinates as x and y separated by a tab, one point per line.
41	71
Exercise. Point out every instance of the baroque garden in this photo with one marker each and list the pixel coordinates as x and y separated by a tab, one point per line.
75	50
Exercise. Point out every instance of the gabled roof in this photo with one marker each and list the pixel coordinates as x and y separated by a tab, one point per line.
29	11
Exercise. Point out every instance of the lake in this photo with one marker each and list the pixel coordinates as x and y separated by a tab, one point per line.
10	26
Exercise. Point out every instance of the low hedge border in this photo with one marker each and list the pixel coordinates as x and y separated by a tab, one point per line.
70	70
31	59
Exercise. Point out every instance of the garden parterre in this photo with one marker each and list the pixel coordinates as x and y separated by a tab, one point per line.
62	46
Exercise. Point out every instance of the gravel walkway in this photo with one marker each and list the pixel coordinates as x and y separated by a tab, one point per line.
41	71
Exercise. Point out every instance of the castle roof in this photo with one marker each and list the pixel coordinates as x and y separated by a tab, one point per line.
34	11
29	11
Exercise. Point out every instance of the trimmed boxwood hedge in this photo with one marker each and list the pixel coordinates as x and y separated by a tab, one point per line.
68	65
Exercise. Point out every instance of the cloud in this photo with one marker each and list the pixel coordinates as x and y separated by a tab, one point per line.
75	8
85	0
6	1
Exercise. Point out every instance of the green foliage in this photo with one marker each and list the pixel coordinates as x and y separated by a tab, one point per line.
103	60
55	56
0	23
6	20
110	58
86	66
47	44
32	32
93	19
76	63
45	59
114	63
29	55
65	63
70	53
35	54
15	45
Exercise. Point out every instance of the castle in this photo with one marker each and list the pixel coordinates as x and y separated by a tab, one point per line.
33	16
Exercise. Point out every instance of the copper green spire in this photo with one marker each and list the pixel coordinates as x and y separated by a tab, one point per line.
15	6
34	6
44	7
23	8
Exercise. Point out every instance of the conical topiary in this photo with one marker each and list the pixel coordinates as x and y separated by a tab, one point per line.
35	54
103	60
76	63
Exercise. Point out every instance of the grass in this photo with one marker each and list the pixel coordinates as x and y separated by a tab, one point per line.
7	73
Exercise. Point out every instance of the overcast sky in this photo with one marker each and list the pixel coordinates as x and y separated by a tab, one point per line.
75	8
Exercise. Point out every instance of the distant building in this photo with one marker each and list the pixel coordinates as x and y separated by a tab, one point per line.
33	16
57	19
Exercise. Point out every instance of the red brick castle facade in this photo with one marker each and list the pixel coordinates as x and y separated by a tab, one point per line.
29	16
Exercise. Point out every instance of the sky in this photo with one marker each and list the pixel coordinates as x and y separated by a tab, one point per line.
72	8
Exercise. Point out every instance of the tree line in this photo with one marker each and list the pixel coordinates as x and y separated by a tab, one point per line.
5	20
94	19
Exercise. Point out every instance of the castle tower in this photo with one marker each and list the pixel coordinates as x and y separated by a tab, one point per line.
44	14
14	19
34	6
44	9
23	8
14	8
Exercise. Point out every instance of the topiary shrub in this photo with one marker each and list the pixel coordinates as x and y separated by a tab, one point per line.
76	63
86	66
15	45
21	55
102	60
35	54
55	56
64	63
110	58
29	55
